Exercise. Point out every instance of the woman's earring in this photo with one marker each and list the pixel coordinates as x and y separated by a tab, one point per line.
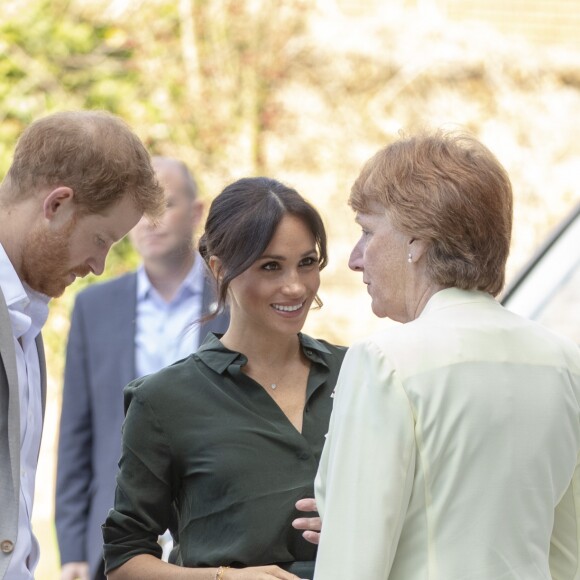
410	258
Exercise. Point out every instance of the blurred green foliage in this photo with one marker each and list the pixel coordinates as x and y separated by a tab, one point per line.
54	57
194	78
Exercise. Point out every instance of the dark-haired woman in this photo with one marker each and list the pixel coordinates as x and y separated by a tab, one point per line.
219	446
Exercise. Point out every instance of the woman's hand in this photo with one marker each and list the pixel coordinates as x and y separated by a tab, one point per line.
258	573
148	567
312	526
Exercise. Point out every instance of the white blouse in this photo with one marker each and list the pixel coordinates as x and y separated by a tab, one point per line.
452	452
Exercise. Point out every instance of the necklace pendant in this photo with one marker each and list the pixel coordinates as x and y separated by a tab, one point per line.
273	385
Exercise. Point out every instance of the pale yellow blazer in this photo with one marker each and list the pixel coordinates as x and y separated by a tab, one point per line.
452	451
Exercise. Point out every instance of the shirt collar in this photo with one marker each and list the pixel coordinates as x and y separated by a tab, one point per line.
14	292
218	358
452	297
192	282
22	298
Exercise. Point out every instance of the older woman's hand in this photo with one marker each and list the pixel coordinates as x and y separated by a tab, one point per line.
312	526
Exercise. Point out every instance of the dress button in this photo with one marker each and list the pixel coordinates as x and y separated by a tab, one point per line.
303	455
6	546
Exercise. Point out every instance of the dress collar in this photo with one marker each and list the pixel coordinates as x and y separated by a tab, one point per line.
218	358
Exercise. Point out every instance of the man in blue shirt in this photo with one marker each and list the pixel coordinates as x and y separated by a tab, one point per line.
122	329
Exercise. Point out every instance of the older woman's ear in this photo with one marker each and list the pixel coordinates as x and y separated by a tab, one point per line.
416	250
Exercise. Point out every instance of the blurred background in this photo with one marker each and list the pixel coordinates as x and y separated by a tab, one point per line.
303	91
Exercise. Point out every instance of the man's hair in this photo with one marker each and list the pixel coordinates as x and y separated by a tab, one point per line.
94	153
447	189
189	183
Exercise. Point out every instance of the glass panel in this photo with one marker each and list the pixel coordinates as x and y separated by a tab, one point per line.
561	312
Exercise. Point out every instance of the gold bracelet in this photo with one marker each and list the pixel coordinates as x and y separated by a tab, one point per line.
219	575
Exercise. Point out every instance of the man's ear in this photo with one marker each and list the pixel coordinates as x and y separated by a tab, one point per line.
59	204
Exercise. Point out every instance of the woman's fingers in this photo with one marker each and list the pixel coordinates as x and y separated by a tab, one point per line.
259	573
308	504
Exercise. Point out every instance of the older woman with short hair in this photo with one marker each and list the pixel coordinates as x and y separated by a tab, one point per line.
453	446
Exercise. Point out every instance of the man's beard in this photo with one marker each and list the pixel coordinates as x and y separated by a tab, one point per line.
45	260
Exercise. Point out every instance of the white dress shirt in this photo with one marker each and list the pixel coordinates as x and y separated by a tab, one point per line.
167	331
452	451
28	311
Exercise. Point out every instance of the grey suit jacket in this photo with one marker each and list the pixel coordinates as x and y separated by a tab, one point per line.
100	362
10	434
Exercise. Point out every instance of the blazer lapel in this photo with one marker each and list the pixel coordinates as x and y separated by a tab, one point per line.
125	312
42	363
11	414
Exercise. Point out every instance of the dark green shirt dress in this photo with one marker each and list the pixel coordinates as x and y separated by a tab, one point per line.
208	454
